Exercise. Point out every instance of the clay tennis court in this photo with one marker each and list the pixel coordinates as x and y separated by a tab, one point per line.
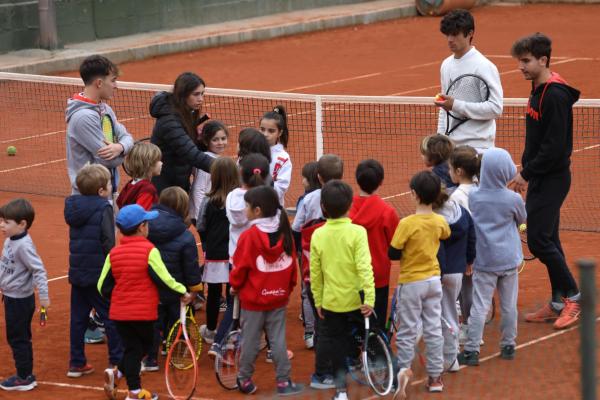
398	57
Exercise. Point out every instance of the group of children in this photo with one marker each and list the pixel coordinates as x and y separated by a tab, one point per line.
344	244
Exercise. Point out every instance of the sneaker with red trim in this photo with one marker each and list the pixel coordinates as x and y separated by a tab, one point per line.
78	372
569	315
544	314
435	384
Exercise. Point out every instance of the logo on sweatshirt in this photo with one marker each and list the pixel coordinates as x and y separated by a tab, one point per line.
282	262
532	113
273	292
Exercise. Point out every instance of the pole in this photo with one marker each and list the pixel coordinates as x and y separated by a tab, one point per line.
587	328
47	15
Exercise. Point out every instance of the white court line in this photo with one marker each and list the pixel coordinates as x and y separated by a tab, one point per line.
492	356
352	78
395	195
58	278
32	165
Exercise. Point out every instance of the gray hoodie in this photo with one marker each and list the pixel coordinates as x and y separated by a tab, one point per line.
85	137
497	212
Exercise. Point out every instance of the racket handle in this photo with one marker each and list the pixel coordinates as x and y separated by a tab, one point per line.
43	316
236	307
203	118
367	323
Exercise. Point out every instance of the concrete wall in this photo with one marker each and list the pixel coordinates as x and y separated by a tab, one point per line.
86	20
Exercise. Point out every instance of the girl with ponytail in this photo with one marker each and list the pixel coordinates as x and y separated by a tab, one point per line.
273	126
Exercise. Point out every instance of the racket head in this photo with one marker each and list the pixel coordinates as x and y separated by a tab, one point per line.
470	88
181	379
378	362
227	361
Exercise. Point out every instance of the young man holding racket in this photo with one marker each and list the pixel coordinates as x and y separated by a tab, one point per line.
479	130
93	133
546	174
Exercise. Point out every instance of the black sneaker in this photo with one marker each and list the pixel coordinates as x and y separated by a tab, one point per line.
246	387
289	388
470	358
507	352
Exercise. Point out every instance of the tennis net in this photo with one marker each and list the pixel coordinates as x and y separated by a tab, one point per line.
388	129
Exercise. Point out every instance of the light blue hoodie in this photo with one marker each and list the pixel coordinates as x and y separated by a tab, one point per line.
497	212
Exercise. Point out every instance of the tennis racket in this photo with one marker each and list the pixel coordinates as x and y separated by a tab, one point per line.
227	361
377	360
193	332
469	88
43	316
180	378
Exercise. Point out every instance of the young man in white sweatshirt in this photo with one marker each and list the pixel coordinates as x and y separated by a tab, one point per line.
480	130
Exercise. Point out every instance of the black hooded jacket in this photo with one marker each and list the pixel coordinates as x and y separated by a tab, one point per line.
549	127
179	152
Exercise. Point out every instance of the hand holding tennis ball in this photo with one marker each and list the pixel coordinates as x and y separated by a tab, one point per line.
522	227
439	97
11	150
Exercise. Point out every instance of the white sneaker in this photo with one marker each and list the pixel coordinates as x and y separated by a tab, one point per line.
340	396
454	366
403	377
309	340
207	335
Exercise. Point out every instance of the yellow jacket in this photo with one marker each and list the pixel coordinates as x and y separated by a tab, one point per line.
340	266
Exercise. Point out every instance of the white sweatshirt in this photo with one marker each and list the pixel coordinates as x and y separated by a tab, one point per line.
235	207
480	131
461	195
281	170
200	187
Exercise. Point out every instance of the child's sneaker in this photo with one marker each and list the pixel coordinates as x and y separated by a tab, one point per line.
143	394
207	335
402	378
149	365
163	348
111	382
309	340
78	372
246	387
341	395
289	388
507	352
453	366
468	358
15	383
435	384
214	351
269	357
93	336
322	382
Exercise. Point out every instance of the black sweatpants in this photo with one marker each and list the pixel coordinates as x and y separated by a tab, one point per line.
18	314
137	338
381	305
545	196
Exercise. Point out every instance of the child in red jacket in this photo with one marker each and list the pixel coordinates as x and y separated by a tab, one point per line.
380	220
142	163
264	274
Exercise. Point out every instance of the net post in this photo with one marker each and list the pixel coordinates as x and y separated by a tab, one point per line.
319	126
587	328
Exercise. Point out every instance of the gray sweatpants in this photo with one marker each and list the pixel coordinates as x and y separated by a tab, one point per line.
420	302
484	284
254	323
451	284
307	312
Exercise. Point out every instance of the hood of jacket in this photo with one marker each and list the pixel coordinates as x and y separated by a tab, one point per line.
79	102
451	211
366	211
236	207
557	81
167	226
79	209
160	105
497	169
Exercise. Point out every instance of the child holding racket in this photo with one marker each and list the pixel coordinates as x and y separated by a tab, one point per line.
177	246
464	165
479	130
497	212
274	126
340	268
91	237
141	164
435	150
20	270
213	227
212	140
130	276
264	274
419	295
380	220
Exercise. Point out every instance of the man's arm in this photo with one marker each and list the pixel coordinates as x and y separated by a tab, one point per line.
87	132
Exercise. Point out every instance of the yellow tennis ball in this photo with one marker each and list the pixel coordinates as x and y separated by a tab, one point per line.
11	150
522	227
438	97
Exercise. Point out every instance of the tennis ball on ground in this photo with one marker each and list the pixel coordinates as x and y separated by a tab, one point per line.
522	227
11	150
438	97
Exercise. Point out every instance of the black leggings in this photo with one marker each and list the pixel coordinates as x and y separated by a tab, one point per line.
137	338
213	303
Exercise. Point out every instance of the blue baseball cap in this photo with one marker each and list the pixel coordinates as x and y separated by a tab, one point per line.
132	215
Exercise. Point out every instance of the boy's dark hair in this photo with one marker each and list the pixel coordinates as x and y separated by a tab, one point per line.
96	66
329	167
309	171
336	198
369	175
91	178
538	44
267	199
437	148
279	115
18	210
253	141
427	186
457	21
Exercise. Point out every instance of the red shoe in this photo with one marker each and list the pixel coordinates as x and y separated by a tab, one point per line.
77	372
545	314
569	315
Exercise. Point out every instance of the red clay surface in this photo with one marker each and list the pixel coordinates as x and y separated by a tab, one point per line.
400	56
